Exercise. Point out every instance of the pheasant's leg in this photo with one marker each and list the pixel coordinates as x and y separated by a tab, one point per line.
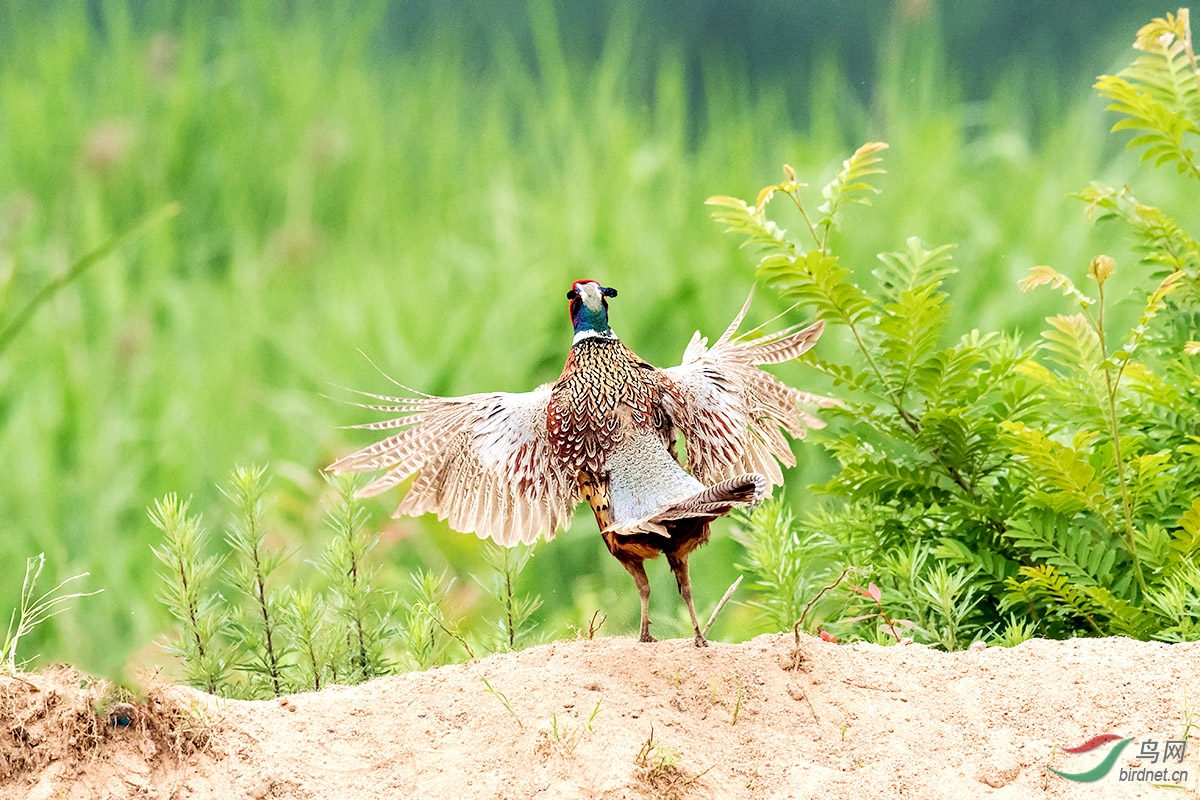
638	570
680	568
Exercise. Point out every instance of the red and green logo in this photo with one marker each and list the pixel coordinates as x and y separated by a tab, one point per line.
1106	764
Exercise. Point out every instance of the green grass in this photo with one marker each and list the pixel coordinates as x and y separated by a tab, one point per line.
337	195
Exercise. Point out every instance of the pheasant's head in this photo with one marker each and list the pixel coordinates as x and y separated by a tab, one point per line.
589	309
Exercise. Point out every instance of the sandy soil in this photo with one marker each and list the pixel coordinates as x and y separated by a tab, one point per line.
730	721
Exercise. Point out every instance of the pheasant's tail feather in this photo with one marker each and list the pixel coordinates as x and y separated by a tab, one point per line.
718	499
714	501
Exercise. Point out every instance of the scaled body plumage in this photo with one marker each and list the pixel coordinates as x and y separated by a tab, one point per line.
512	466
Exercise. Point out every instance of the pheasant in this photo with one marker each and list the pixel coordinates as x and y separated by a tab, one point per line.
512	466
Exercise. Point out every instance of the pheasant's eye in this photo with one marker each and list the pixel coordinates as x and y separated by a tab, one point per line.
571	295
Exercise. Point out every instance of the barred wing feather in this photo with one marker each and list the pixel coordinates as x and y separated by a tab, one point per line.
483	463
731	413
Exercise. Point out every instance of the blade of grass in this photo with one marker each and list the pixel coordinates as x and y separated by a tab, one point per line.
80	266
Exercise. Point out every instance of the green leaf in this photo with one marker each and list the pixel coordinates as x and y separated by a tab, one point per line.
1073	344
1048	585
1048	276
915	310
1155	302
1153	388
913	268
750	222
910	330
1124	617
1157	94
991	563
850	186
1065	479
819	279
1185	541
1161	242
1087	558
1149	474
1154	546
1168	70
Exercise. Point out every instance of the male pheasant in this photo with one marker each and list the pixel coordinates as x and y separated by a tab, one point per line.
512	466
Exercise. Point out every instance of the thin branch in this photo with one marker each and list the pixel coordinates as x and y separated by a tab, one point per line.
795	195
811	603
724	599
458	637
1115	430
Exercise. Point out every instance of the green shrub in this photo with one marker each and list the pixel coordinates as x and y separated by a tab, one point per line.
240	632
260	639
993	487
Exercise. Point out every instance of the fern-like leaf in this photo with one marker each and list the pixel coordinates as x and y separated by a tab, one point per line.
1177	599
1160	241
886	480
1164	129
844	375
818	278
913	268
1048	276
910	331
1155	302
1159	94
813	277
1149	474
1073	344
1167	69
1152	387
990	563
1185	541
1124	617
850	185
1064	473
1047	584
750	222
1154	547
1050	538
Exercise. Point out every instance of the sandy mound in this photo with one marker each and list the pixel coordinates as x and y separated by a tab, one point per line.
730	721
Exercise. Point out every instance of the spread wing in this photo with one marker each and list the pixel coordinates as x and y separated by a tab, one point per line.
731	413
483	463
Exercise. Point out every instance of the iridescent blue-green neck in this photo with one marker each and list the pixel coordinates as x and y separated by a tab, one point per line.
589	310
587	320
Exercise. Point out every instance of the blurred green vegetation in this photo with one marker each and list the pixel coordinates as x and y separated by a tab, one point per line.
381	177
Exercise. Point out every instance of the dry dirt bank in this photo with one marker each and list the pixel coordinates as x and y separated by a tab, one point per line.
730	721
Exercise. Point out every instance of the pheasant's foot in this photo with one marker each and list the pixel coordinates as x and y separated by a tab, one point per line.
646	637
701	641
